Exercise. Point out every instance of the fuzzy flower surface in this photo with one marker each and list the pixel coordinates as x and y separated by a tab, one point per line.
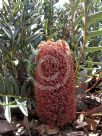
55	84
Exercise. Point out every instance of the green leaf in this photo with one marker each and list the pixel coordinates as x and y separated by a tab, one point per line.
6	2
32	37
16	32
88	68
93	49
45	26
52	35
23	89
7	32
18	6
89	64
22	106
12	104
8	84
99	63
16	88
78	20
94	18
34	23
7	110
2	85
75	6
94	34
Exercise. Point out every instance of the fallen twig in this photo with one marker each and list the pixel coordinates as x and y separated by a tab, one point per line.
93	111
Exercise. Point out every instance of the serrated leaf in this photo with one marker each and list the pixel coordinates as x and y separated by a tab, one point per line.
93	49
94	18
22	106
7	110
8	84
2	85
16	88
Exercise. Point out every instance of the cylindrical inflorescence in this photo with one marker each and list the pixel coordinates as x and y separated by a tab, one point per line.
55	84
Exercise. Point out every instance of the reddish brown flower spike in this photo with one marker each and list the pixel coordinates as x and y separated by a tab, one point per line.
55	84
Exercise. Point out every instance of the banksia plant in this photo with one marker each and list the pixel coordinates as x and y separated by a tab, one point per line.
55	84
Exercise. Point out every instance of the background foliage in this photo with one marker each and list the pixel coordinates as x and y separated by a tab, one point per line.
25	23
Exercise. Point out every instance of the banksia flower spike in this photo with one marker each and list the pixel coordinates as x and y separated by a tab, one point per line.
55	84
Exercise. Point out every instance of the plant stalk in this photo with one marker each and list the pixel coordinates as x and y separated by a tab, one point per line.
84	39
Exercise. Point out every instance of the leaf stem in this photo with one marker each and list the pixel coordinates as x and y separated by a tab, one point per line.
19	97
84	40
